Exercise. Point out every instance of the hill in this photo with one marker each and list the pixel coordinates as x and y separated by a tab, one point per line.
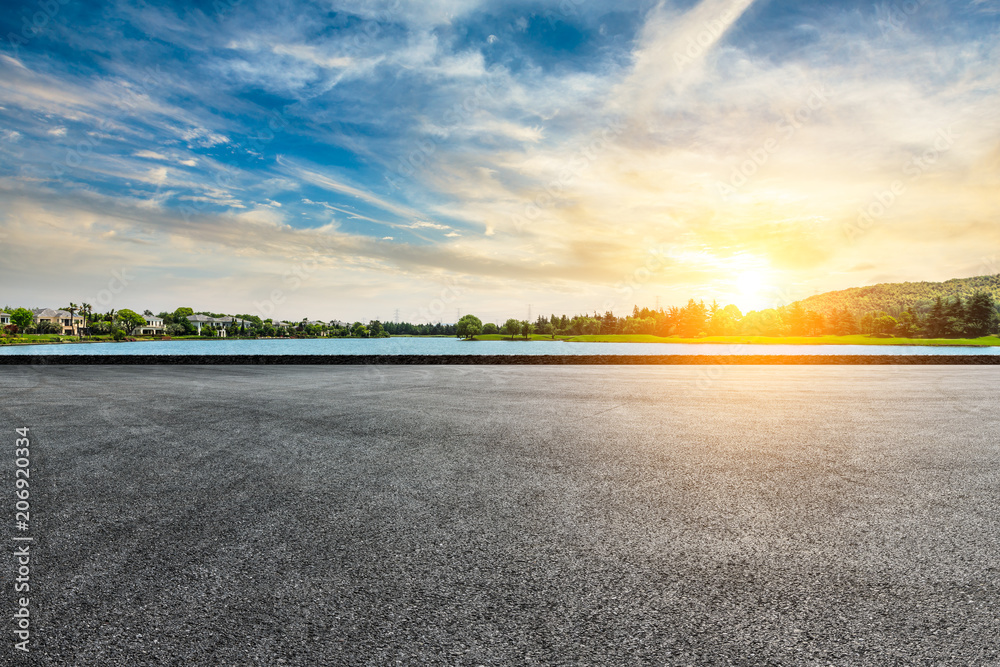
894	298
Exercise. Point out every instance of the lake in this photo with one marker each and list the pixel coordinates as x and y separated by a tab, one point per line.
449	346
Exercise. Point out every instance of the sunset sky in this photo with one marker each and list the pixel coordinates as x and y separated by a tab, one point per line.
295	159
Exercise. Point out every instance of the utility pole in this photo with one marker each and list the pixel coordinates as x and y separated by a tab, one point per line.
529	312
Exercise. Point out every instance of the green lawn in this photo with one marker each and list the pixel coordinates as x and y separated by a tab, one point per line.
33	338
858	339
520	338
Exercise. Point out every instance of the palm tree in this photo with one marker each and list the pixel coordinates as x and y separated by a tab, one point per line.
111	317
72	308
86	309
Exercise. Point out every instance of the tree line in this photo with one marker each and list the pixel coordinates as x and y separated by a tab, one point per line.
945	318
835	313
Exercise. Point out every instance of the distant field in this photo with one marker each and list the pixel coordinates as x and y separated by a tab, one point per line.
790	340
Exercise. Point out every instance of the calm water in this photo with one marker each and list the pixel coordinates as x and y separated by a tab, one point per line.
455	346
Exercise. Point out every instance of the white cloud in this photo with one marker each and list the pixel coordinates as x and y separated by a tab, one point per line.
151	155
199	136
325	181
158	175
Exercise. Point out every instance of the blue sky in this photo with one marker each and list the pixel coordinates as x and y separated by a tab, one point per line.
316	159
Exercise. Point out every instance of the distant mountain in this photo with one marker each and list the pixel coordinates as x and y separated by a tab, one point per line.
894	298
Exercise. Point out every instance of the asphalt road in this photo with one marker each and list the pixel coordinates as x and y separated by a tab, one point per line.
489	515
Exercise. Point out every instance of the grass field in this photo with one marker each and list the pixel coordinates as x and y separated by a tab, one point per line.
858	339
519	338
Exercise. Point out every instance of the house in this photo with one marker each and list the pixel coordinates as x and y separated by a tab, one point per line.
4	319
200	321
220	324
153	327
229	321
316	323
70	323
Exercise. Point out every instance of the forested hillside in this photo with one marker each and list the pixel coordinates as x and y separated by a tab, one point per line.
894	298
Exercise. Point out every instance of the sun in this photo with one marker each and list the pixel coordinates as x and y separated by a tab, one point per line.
752	285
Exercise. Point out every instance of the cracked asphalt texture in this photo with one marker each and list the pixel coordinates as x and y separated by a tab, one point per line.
490	515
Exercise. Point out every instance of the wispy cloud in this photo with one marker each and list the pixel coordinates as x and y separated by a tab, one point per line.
547	148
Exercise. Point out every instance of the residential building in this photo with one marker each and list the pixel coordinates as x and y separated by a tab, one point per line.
4	319
229	321
220	324
70	323
316	323
153	327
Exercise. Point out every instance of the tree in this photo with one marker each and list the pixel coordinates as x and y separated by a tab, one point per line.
815	323
359	330
100	327
490	328
23	318
526	329
980	315
512	327
884	324
937	320
796	319
469	326
844	323
182	314
908	324
71	309
129	320
955	318
762	323
48	327
86	309
693	318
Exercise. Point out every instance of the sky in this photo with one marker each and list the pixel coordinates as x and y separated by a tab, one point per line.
416	159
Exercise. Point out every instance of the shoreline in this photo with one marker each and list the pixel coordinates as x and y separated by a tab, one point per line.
498	360
797	341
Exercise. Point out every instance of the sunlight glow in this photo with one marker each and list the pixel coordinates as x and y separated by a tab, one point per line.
753	290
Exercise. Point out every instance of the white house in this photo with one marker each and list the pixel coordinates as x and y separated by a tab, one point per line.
237	322
153	327
200	321
4	319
